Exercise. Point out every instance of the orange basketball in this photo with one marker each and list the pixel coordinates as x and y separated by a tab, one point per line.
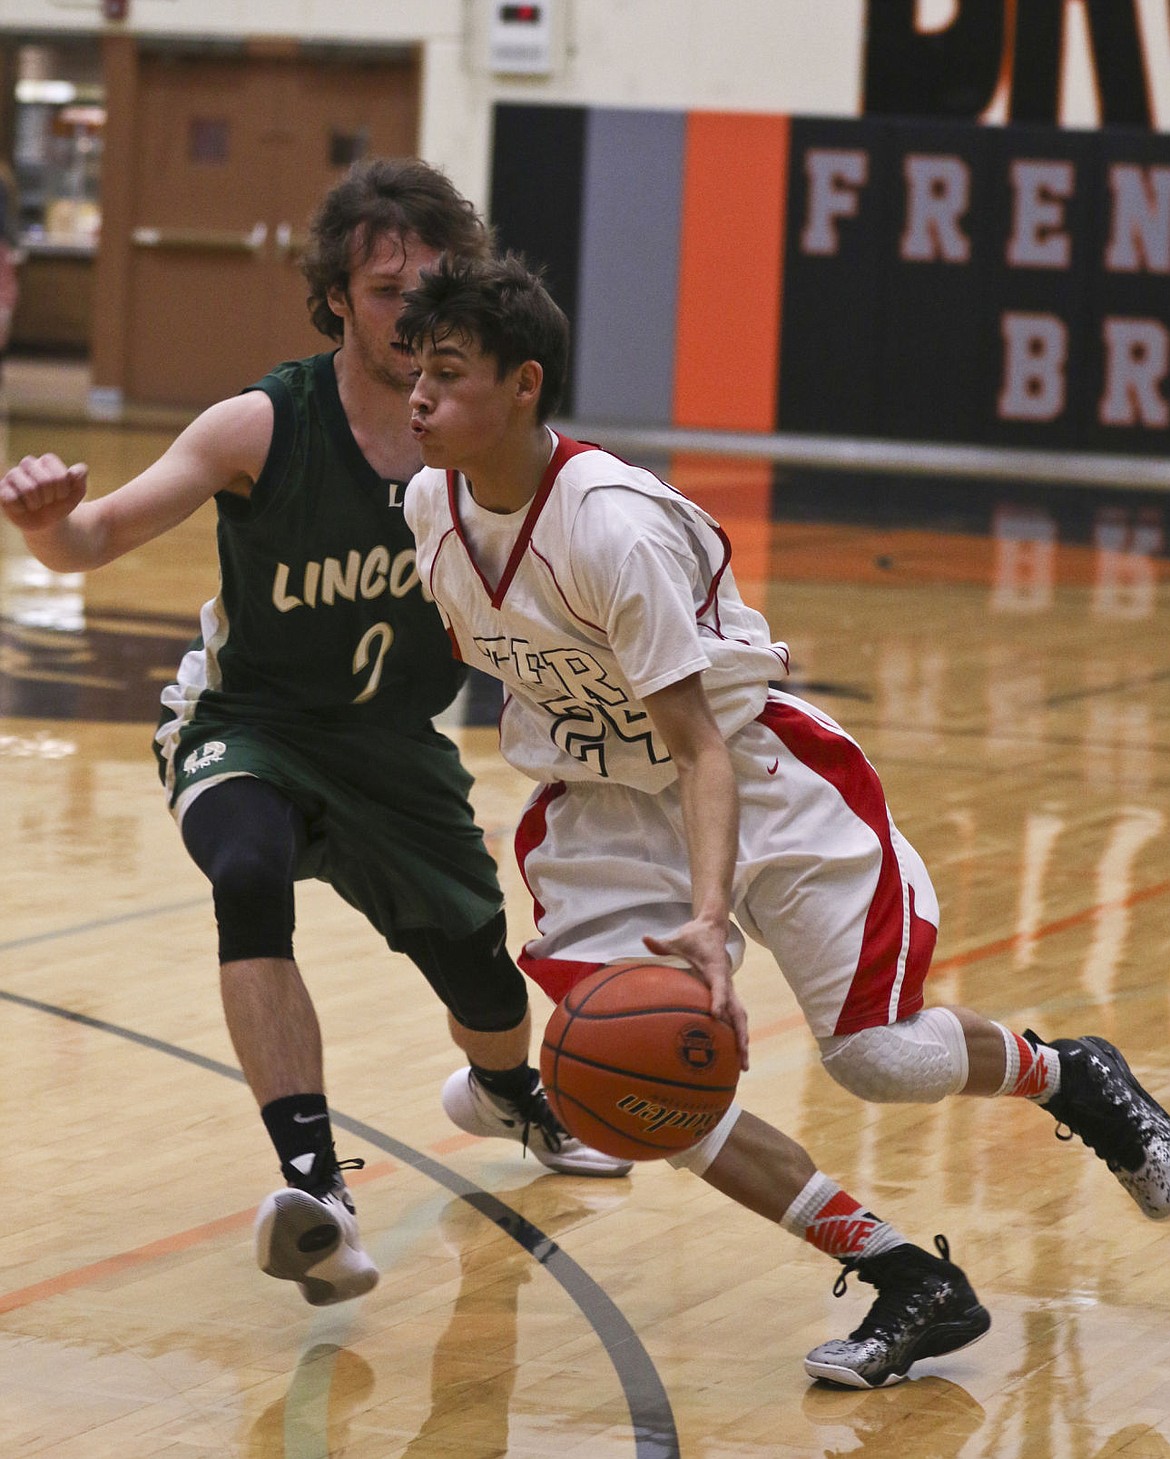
634	1064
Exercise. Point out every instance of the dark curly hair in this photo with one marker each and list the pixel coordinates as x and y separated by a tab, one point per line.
498	304
401	195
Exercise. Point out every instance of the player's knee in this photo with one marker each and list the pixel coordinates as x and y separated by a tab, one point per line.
254	906
475	976
247	869
497	1006
920	1060
245	836
500	1013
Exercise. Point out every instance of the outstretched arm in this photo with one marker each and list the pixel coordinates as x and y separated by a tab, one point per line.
710	807
223	449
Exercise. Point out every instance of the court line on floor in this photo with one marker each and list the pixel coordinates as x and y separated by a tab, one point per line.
1050	929
76	929
655	1434
178	1241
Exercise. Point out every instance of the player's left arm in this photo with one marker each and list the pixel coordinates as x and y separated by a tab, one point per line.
710	806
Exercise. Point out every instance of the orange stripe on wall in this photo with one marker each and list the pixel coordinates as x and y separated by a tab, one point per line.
727	355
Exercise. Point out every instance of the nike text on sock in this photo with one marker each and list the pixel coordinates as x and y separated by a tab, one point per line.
1031	1072
831	1220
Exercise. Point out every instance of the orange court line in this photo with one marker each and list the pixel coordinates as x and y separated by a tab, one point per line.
1000	945
85	1276
1050	929
452	1144
782	1025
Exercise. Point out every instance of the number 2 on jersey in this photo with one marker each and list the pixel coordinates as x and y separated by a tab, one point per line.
371	649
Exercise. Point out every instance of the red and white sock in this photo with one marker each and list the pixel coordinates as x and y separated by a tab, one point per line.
831	1220
1032	1071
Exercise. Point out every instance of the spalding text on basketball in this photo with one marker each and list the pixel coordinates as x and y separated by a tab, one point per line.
660	1117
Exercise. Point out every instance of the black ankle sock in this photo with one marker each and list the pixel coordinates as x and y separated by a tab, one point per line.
298	1125
511	1084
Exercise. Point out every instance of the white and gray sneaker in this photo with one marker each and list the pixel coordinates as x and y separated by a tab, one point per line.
531	1124
310	1236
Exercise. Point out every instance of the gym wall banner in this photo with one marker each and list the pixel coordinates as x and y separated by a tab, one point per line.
901	277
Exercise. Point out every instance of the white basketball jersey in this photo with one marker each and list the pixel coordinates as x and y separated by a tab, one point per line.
615	586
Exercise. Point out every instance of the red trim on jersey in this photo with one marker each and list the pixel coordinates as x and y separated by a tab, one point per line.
716	577
569	609
838	760
531	832
457	528
455	649
706	520
435	560
564	451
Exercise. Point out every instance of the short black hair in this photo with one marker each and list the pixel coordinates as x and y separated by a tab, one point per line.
399	195
499	304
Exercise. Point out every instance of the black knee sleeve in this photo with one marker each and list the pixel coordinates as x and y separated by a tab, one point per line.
245	836
474	976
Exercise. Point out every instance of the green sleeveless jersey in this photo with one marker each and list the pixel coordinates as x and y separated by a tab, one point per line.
320	614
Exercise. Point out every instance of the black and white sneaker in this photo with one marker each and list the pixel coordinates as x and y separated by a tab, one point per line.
924	1307
308	1234
1100	1100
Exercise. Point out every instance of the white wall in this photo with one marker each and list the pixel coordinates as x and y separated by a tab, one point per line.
798	56
795	56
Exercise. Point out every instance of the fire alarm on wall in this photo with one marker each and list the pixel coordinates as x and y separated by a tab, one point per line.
521	37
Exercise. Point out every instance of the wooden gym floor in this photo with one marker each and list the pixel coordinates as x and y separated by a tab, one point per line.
1001	654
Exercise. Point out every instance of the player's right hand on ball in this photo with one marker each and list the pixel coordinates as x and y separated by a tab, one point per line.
41	491
705	949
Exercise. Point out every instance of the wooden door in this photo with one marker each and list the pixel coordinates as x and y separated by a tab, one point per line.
340	109
231	158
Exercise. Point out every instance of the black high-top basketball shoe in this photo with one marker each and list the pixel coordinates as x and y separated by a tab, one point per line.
925	1306
1100	1100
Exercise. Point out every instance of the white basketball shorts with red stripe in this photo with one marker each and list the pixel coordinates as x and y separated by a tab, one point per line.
824	879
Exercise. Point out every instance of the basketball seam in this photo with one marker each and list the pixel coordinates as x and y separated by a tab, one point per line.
634	1011
619	972
570	1057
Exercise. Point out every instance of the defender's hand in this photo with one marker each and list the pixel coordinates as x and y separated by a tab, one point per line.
42	491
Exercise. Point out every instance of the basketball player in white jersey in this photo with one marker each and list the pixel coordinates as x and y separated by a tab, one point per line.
676	789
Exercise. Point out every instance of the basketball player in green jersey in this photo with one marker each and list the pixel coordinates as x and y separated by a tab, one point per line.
296	740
